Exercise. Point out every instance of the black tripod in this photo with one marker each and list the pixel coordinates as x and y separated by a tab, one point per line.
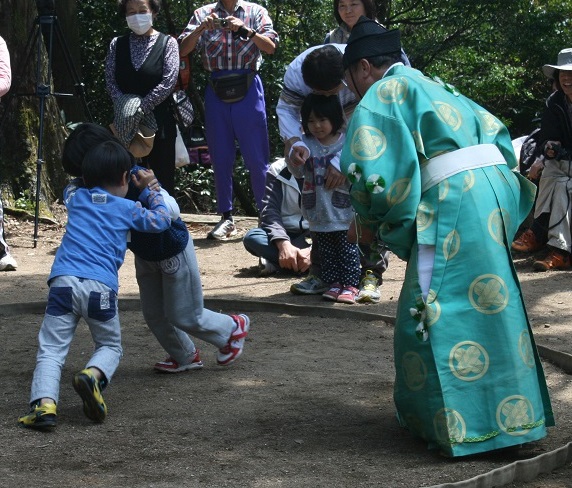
46	27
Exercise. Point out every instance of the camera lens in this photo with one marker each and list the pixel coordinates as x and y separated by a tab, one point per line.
223	22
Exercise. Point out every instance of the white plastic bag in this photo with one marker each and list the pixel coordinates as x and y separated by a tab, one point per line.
181	154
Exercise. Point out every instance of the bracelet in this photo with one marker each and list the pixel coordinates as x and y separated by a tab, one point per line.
252	34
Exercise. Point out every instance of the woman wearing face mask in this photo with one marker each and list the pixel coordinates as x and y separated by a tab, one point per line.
141	71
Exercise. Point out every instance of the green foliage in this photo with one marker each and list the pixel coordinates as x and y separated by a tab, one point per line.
194	190
25	202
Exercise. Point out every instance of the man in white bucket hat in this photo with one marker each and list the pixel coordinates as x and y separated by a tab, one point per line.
564	63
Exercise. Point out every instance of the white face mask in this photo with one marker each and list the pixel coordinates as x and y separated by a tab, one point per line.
140	23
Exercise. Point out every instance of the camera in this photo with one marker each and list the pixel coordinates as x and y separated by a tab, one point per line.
46	7
220	22
559	152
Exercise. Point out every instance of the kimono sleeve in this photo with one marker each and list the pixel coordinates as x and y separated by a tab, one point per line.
381	162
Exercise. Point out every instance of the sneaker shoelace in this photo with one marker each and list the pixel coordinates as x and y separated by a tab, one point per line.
369	282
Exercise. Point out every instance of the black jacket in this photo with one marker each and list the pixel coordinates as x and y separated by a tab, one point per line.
556	124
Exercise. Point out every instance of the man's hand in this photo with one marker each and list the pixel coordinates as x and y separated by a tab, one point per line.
288	256
234	23
304	261
333	178
535	169
552	148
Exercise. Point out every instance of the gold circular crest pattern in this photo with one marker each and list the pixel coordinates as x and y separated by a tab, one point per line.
361	197
419	146
451	245
414	370
368	143
433	308
490	123
425	216
399	191
513	413
496	224
450	426
394	90
488	294
525	349
468	180
443	190
469	361
449	115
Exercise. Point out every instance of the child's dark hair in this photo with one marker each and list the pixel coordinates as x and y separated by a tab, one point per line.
84	137
105	165
328	107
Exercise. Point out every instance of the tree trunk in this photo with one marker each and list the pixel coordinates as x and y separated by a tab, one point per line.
32	131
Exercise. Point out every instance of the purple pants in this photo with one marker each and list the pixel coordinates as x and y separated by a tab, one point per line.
245	122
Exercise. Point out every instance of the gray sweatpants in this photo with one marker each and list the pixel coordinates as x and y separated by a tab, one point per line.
172	303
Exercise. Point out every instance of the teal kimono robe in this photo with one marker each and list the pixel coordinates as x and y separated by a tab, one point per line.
468	375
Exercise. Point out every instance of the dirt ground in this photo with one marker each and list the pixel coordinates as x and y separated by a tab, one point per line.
309	404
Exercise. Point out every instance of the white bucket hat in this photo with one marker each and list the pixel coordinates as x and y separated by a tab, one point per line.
564	63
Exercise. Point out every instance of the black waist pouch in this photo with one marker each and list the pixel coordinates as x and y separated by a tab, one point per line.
232	88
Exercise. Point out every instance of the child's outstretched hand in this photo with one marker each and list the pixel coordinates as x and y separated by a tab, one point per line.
145	178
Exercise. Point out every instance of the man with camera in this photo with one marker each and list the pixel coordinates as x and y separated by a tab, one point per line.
231	36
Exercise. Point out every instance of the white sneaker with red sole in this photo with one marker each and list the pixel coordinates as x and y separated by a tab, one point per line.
231	352
169	365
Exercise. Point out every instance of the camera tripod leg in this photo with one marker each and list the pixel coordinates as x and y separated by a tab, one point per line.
79	86
45	27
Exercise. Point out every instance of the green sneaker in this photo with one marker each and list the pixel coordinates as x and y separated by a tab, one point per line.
41	417
87	387
310	285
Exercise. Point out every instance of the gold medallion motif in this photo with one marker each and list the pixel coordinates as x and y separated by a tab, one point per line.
525	349
433	308
394	90
469	361
450	427
425	216
514	414
490	123
496	224
451	245
368	143
398	191
469	180
449	115
443	190
419	146
488	294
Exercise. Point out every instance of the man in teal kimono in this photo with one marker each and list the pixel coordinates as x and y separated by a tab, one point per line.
432	177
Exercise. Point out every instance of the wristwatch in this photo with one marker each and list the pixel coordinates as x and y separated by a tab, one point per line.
251	34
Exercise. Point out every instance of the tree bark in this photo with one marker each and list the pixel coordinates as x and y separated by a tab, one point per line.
32	131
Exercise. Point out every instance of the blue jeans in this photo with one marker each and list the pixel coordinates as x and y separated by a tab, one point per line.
69	300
